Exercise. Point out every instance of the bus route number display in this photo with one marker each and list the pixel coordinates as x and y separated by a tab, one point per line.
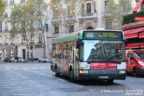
105	34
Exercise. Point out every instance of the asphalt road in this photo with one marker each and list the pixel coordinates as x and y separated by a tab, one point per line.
36	79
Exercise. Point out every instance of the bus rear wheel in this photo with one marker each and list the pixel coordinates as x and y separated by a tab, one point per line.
56	71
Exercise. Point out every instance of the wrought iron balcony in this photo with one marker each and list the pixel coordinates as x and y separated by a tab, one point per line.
70	17
89	16
55	18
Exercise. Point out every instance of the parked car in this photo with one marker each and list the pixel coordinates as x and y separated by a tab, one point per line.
7	59
135	61
21	60
44	60
13	60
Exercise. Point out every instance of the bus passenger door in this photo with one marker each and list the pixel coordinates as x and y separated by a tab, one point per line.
75	61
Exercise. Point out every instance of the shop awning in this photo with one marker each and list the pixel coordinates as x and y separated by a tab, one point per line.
137	6
135	45
132	33
141	35
129	46
142	46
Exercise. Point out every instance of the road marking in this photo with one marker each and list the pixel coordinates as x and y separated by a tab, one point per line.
43	68
25	68
18	94
46	75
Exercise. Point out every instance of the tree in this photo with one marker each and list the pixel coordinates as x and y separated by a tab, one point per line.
27	19
18	24
116	11
37	10
2	8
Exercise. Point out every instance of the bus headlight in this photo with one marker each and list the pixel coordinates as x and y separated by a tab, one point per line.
141	63
122	71
83	71
84	65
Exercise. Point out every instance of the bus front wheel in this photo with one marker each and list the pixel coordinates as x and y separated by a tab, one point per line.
110	81
71	76
134	72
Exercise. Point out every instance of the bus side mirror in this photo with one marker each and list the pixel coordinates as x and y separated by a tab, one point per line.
79	43
131	58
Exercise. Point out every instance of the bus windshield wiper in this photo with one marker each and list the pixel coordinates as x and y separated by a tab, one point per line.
91	61
115	60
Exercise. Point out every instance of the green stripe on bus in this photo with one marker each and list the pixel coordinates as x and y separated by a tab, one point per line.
81	36
65	38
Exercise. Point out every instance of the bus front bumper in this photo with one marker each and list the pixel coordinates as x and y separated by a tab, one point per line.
102	74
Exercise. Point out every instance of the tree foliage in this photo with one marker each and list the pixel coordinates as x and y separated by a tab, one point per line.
2	8
28	20
16	21
116	11
130	18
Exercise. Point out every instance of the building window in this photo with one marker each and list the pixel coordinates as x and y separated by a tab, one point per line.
88	8
12	2
12	9
47	27
82	9
7	2
31	25
68	10
56	28
40	39
0	39
23	39
22	1
71	28
32	38
6	15
108	24
106	6
6	27
40	25
95	7
6	40
1	27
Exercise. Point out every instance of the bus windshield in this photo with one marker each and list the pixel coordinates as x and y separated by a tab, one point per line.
103	51
139	54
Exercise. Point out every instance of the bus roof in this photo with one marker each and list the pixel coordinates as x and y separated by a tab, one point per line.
76	35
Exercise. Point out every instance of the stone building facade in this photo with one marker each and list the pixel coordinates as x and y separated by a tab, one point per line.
17	47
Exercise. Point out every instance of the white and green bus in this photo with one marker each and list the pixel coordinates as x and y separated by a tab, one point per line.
90	54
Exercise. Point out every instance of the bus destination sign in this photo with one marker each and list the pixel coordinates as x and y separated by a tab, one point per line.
103	34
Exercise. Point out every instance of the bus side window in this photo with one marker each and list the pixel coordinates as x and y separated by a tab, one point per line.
53	51
62	51
71	53
65	51
59	52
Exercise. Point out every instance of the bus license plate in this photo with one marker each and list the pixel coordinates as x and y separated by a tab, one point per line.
103	77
